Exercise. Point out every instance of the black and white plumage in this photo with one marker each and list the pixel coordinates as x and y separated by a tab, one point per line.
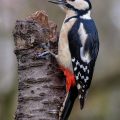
77	49
83	54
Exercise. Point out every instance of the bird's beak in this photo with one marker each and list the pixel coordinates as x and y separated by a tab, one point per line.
57	1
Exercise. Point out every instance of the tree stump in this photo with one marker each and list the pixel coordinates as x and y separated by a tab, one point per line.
41	87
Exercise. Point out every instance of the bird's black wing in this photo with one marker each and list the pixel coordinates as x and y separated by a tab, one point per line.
83	69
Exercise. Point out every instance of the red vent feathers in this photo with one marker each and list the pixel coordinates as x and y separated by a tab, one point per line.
70	78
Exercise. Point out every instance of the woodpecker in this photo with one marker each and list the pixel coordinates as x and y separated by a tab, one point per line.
78	48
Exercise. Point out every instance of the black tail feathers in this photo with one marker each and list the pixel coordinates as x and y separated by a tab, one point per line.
82	98
82	103
68	103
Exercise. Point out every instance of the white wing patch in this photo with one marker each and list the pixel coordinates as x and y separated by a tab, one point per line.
84	68
85	57
75	68
73	60
82	75
78	74
86	79
77	77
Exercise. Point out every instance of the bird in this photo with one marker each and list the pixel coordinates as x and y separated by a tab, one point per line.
78	48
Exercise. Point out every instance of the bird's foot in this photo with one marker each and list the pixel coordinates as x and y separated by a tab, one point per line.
45	55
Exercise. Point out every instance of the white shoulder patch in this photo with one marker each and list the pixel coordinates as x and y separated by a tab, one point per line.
82	33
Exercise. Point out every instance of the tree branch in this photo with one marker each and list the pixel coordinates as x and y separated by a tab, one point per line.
41	84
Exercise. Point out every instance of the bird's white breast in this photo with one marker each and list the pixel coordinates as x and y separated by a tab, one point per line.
64	56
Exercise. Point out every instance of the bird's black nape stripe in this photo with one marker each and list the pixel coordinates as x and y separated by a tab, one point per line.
77	16
67	20
90	5
79	12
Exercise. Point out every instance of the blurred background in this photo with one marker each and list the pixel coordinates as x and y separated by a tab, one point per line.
103	101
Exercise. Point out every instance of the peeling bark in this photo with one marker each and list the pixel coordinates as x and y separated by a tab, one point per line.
41	86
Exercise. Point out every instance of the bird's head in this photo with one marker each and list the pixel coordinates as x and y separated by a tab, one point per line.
75	5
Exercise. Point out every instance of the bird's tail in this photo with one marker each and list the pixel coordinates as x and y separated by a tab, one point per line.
68	103
82	98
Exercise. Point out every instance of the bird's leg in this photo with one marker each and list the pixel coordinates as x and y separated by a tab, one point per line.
44	51
53	54
44	55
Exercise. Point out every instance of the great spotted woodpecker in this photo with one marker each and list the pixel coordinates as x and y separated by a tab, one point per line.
78	48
